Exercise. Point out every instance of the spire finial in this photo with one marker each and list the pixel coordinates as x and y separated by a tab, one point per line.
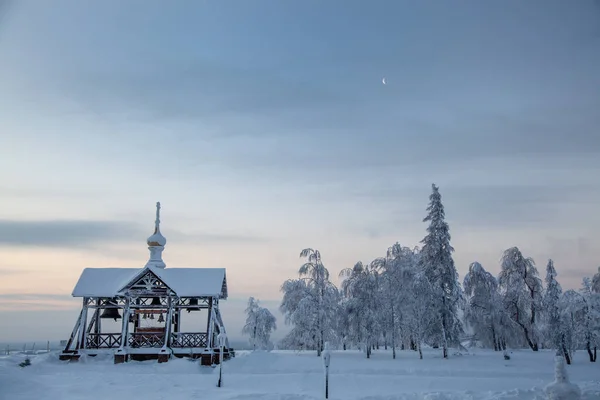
157	222
156	243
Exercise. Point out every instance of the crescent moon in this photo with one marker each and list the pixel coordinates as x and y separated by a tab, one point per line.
383	81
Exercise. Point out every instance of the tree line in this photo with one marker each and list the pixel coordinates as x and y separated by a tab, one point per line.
413	297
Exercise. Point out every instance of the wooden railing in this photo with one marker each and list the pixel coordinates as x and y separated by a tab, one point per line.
103	340
144	339
181	339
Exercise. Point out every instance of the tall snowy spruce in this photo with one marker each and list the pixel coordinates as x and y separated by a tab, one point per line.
438	268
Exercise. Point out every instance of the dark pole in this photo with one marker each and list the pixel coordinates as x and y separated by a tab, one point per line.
326	359
327	382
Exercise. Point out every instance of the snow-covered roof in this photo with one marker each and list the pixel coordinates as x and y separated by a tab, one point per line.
103	282
185	282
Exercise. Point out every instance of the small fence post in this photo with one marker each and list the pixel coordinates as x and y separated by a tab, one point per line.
326	360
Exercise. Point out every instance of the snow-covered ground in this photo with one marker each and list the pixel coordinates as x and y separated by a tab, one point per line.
482	374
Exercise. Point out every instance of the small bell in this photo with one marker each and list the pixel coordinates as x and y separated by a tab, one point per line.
160	318
151	316
145	316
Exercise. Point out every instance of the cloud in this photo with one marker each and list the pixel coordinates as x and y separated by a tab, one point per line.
87	234
516	206
392	210
34	296
14	271
214	238
36	301
62	233
199	90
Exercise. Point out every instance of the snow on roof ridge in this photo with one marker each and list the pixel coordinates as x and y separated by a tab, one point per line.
108	282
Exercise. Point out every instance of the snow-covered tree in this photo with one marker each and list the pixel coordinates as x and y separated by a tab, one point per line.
399	294
596	282
260	323
310	304
586	312
554	331
483	309
438	267
360	286
342	322
522	293
421	312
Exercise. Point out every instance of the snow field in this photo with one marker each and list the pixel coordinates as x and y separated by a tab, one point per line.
289	375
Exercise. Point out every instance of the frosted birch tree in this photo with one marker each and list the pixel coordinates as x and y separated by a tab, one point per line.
554	331
397	278
483	308
438	267
260	323
310	304
360	286
421	313
522	293
586	312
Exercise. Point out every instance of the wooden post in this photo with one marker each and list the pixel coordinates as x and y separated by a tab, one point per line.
74	332
177	319
209	326
165	352
48	347
83	323
97	327
125	325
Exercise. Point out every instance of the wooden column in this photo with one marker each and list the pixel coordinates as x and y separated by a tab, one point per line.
168	320
74	335
125	325
136	321
165	352
177	321
97	328
83	324
209	325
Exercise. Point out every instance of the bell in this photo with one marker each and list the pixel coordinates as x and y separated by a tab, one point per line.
193	302
155	301
160	318
111	312
145	316
151	316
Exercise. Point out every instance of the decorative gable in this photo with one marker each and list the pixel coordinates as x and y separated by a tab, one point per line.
146	283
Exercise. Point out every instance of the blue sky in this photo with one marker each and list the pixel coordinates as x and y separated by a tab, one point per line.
263	128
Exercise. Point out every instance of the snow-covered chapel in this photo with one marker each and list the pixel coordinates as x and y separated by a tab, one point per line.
137	313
